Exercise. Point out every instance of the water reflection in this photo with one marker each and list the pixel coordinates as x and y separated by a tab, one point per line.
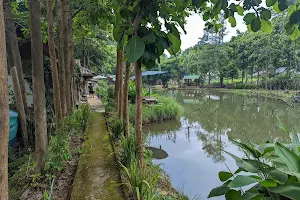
195	143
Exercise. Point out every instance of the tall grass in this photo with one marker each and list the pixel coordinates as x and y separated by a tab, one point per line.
116	126
167	108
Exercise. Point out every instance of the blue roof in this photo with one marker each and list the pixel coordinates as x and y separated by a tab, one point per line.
151	73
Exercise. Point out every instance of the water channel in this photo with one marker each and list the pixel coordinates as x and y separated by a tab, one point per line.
196	141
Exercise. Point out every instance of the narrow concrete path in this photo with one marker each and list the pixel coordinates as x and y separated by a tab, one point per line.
97	176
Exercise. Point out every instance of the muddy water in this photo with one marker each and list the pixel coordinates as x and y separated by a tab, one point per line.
195	143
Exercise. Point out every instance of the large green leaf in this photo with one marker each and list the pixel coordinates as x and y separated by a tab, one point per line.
240	10
241	180
268	183
265	14
233	195
175	41
134	49
277	175
249	17
270	2
269	147
266	26
290	190
224	176
232	21
244	165
250	194
246	147
288	157
219	191
255	24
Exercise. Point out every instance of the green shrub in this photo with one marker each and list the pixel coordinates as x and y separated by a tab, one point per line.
127	149
117	127
167	108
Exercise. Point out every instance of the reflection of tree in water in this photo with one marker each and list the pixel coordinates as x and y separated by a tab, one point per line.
212	144
168	130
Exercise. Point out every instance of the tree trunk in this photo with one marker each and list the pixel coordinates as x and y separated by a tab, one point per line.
67	54
227	82
13	50
120	104
61	62
4	116
72	61
139	114
221	81
252	75
54	70
20	106
258	77
38	85
125	101
266	83
208	79
243	75
118	77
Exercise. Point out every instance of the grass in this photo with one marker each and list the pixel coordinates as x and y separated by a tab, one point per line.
277	94
167	108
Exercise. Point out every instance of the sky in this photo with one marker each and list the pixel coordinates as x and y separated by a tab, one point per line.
195	26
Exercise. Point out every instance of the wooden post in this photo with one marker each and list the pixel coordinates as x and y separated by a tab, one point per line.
20	105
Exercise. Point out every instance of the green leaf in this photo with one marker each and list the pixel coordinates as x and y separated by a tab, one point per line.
288	157
240	10
266	26
205	16
233	195
134	49
224	176
250	194
249	17
232	21
265	14
275	7
233	7
270	2
197	3
244	164
295	33
149	38
219	191
255	25
241	180
175	41
277	175
246	147
268	183
269	147
290	190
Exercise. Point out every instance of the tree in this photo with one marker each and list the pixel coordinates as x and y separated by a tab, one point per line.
4	117
20	105
54	70
38	86
61	55
13	52
119	77
125	100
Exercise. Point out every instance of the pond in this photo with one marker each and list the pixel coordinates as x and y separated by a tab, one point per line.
195	143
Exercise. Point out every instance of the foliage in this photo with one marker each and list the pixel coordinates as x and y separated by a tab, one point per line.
275	180
116	126
167	108
59	149
128	149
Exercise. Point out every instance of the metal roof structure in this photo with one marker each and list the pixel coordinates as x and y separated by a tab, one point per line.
191	77
151	73
99	77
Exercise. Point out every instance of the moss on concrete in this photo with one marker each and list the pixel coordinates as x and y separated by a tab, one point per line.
97	175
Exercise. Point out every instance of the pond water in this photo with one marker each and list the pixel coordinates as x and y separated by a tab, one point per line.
195	143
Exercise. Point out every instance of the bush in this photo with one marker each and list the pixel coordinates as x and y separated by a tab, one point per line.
127	149
117	127
59	149
167	108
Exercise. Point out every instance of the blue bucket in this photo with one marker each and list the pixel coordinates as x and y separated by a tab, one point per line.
13	126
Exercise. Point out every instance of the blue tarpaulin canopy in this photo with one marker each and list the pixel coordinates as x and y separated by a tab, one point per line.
151	73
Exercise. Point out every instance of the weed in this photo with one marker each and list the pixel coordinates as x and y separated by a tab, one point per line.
117	127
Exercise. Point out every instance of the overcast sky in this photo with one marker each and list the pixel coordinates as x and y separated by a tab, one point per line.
195	26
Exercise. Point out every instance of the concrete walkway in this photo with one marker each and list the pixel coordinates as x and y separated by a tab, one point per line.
97	176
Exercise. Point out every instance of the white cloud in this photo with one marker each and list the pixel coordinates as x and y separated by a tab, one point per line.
195	26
